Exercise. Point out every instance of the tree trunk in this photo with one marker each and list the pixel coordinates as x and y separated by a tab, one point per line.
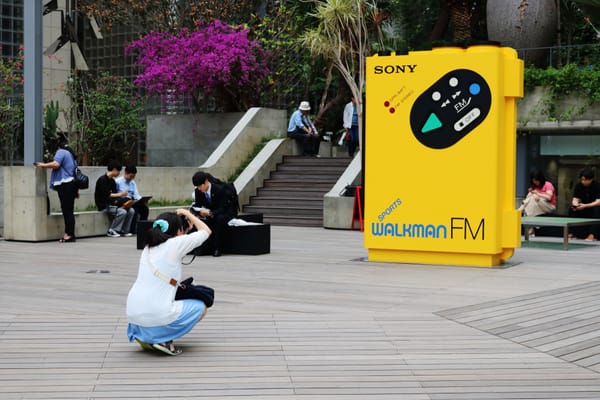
460	14
442	22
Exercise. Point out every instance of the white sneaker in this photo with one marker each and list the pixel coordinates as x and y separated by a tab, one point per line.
112	233
128	234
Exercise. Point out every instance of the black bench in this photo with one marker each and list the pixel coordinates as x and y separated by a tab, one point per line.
245	239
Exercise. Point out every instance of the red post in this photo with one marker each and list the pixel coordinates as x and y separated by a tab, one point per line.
357	209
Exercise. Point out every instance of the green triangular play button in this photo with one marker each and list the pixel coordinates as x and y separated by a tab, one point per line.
433	122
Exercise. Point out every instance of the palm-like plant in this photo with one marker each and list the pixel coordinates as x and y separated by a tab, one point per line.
342	37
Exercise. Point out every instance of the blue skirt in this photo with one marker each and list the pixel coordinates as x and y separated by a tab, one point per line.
190	315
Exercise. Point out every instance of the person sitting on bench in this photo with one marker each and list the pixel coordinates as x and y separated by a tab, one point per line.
140	204
301	128
216	202
585	203
106	196
541	198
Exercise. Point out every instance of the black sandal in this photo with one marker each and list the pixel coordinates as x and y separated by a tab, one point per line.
69	240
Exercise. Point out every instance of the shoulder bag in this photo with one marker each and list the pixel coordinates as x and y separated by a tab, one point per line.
124	202
81	180
185	289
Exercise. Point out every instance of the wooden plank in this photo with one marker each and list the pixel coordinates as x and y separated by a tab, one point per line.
567	329
299	324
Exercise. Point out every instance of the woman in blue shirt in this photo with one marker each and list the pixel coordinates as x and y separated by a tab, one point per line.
63	182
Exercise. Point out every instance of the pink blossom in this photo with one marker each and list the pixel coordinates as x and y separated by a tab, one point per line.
214	57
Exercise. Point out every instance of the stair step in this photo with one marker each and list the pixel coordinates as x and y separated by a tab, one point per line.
291	191
303	176
267	211
293	194
280	220
262	201
290	160
326	186
330	169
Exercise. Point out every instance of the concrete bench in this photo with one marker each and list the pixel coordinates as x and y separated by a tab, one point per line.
94	223
564	222
245	239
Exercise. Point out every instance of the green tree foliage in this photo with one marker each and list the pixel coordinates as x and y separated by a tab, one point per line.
568	80
343	36
107	119
295	75
11	106
167	15
51	136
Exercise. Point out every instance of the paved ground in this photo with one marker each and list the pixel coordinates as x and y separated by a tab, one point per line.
310	320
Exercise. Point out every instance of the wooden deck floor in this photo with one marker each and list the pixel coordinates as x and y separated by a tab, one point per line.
310	320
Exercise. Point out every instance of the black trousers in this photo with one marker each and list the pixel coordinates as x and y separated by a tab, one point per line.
583	231
141	214
67	192
310	143
218	225
353	140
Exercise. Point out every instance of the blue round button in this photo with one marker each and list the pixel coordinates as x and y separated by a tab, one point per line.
474	89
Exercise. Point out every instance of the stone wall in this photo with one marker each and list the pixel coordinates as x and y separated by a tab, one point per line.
571	113
185	140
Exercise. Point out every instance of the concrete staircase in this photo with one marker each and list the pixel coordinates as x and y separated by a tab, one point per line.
293	194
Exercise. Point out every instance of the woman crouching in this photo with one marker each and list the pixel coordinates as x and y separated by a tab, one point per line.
155	317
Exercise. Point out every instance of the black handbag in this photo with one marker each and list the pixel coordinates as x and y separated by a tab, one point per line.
186	290
81	180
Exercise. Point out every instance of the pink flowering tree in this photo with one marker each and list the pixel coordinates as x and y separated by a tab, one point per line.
216	60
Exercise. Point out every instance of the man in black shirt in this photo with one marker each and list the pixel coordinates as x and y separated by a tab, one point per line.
585	203
106	197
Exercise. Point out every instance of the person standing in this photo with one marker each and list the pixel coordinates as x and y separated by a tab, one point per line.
154	317
106	196
585	203
350	122
302	129
63	182
127	183
216	202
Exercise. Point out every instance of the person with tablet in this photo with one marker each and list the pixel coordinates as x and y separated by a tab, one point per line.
140	203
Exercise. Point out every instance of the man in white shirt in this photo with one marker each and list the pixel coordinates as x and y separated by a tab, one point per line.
127	182
351	125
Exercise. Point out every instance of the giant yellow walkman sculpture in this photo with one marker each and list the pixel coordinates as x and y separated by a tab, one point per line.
440	156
